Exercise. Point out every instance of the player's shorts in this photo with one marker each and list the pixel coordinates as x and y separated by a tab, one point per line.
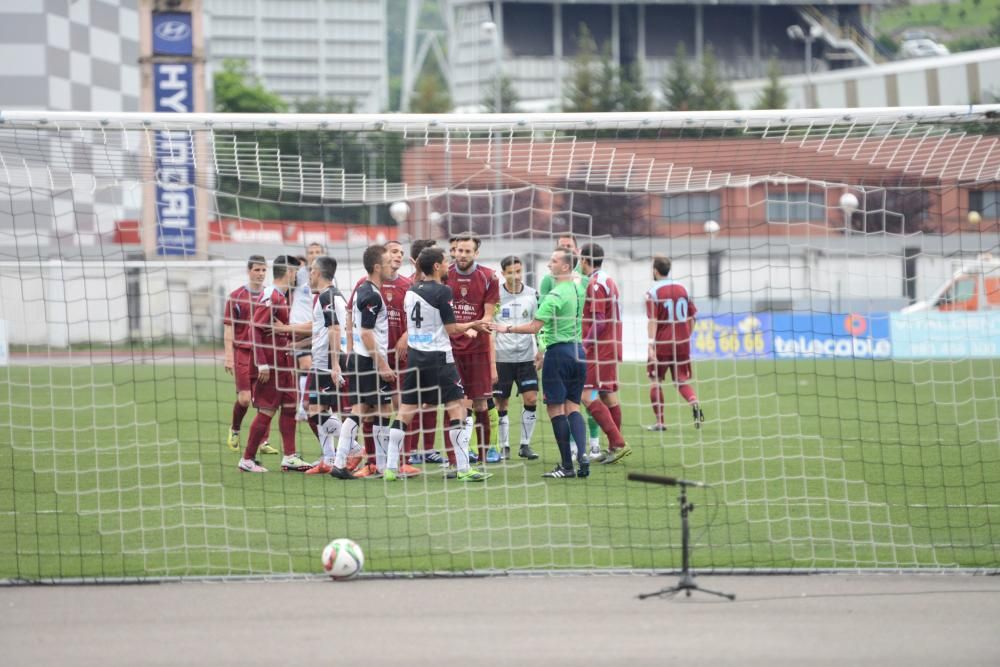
348	366
244	370
563	373
429	379
602	375
277	391
474	369
679	368
322	391
369	387
510	372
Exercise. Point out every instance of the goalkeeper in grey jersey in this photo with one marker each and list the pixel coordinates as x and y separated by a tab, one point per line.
518	360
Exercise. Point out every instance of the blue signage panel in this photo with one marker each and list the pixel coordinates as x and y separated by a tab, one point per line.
952	335
831	335
175	192
172	34
735	336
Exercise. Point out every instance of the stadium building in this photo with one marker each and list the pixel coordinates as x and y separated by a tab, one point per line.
305	49
539	40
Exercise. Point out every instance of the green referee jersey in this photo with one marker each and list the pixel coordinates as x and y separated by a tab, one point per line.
561	310
548	282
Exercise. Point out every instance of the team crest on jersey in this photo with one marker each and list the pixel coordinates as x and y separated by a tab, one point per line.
465	291
388	297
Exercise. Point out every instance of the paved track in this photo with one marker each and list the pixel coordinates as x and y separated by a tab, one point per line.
578	620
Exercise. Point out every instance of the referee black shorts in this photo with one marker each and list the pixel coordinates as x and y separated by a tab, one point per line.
564	373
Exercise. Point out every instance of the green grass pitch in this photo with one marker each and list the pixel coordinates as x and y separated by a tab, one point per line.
120	470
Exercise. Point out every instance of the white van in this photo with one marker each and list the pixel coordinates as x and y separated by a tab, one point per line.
974	287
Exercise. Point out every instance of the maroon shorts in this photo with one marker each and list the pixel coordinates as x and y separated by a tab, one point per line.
280	389
602	375
244	369
680	368
474	370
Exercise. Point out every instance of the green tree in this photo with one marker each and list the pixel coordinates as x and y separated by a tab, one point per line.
607	82
508	96
712	92
632	93
237	90
679	85
431	94
582	90
774	95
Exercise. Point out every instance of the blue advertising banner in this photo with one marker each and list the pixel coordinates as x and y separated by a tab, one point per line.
175	193
937	335
172	34
831	335
735	336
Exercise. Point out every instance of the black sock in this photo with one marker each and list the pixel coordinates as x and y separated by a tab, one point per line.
560	428
579	430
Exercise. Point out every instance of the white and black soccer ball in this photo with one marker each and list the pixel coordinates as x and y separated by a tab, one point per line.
343	559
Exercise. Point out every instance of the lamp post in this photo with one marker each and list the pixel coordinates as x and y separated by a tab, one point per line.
489	28
848	204
797	33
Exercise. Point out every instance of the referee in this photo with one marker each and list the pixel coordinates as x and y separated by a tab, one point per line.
563	369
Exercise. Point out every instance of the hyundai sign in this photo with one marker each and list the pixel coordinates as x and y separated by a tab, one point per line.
173	92
172	34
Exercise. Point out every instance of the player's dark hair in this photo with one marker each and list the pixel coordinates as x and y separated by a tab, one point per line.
253	260
508	261
373	256
327	267
662	266
418	246
316	244
567	235
594	254
467	236
566	256
428	258
283	264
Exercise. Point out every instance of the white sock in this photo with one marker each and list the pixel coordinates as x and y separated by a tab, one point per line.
503	431
381	435
329	433
396	436
459	437
528	420
347	432
595	444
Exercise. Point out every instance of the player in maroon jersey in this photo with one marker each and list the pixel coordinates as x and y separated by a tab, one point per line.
238	340
671	314
275	386
476	292
602	342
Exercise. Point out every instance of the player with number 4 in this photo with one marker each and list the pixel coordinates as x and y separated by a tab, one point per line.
671	318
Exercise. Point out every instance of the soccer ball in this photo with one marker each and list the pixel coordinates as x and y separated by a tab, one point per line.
343	559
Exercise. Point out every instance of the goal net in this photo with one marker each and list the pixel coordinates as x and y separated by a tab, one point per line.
843	266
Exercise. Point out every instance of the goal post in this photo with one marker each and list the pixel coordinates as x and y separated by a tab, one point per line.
843	264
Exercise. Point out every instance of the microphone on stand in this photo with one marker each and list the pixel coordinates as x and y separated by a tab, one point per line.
662	479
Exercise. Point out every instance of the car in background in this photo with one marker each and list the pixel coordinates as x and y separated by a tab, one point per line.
922	48
973	287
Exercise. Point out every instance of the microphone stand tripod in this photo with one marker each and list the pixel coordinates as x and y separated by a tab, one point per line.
686	582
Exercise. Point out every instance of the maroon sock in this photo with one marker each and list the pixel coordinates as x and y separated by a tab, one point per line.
600	413
239	411
286	424
259	428
616	414
369	440
687	392
429	424
656	398
483	424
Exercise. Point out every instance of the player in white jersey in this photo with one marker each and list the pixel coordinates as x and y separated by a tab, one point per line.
302	312
431	376
518	358
373	375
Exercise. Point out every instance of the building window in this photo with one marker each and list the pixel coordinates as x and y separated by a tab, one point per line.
796	206
693	207
986	203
